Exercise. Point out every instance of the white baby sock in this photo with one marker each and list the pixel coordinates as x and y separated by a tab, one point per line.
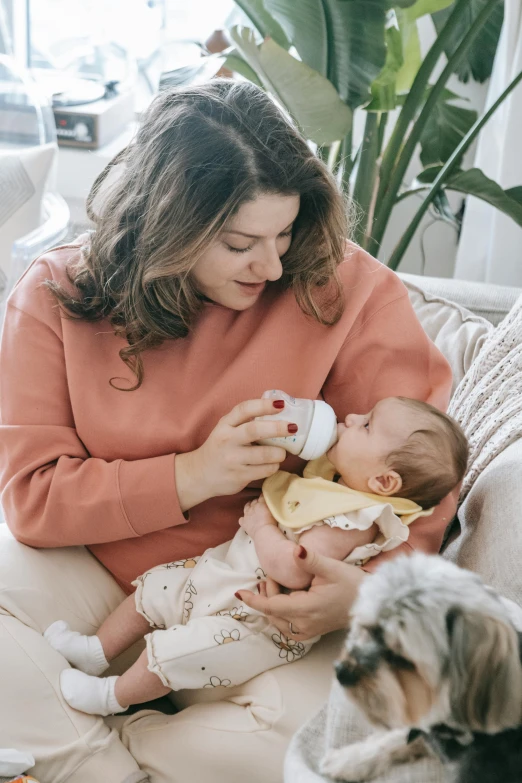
83	652
94	695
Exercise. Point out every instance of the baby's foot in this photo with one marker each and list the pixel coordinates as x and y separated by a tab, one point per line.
94	695
255	516
83	652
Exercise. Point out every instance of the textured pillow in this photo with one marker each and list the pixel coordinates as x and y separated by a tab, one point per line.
456	331
23	174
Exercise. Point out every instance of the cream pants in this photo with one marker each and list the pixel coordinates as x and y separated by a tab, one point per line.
220	736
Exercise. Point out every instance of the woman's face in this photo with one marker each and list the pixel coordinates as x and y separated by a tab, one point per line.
245	256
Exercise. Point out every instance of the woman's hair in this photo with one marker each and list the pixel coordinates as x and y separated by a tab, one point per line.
434	458
200	153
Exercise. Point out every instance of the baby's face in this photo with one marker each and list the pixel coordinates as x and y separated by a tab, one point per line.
366	440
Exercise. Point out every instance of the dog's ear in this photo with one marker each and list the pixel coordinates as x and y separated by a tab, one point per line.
484	671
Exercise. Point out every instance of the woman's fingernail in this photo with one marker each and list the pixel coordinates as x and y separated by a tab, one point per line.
238	596
278	404
301	552
292	428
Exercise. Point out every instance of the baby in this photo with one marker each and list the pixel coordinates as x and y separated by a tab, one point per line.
387	468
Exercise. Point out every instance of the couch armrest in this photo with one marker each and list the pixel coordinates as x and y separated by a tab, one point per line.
484	299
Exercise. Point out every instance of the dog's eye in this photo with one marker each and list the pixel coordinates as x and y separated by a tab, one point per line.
398	661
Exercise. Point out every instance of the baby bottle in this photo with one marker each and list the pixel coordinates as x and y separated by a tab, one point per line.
316	421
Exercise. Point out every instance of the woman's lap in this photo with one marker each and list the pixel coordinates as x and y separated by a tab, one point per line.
241	736
243	733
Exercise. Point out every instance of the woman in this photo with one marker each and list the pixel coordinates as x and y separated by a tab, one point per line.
132	365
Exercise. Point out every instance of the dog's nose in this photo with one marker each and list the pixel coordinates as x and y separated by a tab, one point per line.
347	675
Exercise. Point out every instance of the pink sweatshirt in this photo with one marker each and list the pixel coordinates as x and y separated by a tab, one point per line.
84	463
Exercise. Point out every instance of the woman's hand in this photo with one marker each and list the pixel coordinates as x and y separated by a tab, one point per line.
324	607
229	458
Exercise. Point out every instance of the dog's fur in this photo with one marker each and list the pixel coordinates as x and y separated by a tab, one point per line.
432	657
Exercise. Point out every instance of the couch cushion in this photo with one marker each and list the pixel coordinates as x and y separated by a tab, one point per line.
490	537
457	332
485	299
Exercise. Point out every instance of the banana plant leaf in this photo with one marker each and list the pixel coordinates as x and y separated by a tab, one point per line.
403	53
384	87
356	46
424	7
308	97
263	21
479	62
473	182
304	24
447	126
235	62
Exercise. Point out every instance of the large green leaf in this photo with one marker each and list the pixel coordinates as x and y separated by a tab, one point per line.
384	88
235	62
423	7
473	182
411	51
446	127
356	46
401	3
308	97
264	22
304	24
479	62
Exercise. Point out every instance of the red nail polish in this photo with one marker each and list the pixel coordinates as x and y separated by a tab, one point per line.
301	552
278	404
237	596
293	428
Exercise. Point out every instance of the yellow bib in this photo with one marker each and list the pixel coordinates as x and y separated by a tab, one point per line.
296	502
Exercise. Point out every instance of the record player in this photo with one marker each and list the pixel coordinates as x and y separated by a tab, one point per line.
88	113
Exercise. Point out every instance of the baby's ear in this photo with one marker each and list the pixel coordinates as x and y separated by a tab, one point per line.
388	483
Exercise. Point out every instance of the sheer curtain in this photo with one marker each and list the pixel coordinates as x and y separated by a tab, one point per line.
490	247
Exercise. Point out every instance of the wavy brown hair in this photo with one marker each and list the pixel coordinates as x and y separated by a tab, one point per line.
200	153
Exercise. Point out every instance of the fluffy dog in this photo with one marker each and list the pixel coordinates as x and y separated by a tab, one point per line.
432	657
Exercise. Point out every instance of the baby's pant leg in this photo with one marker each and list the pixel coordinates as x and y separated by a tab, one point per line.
218	651
163	594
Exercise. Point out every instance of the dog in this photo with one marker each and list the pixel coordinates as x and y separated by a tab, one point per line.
432	658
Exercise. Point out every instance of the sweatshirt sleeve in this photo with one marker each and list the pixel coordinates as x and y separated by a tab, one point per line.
388	354
54	493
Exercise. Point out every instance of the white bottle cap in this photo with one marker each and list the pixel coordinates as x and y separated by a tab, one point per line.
323	432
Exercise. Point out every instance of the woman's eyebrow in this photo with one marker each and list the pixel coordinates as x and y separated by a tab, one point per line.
253	236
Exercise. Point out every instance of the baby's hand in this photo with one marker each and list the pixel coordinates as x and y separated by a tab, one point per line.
256	516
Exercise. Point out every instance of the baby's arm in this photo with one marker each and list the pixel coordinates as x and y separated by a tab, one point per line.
276	552
335	542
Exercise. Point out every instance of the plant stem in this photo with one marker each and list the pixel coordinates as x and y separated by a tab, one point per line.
444	173
365	179
346	162
382	128
391	180
334	156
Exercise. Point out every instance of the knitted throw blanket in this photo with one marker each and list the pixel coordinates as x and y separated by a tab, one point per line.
487	403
